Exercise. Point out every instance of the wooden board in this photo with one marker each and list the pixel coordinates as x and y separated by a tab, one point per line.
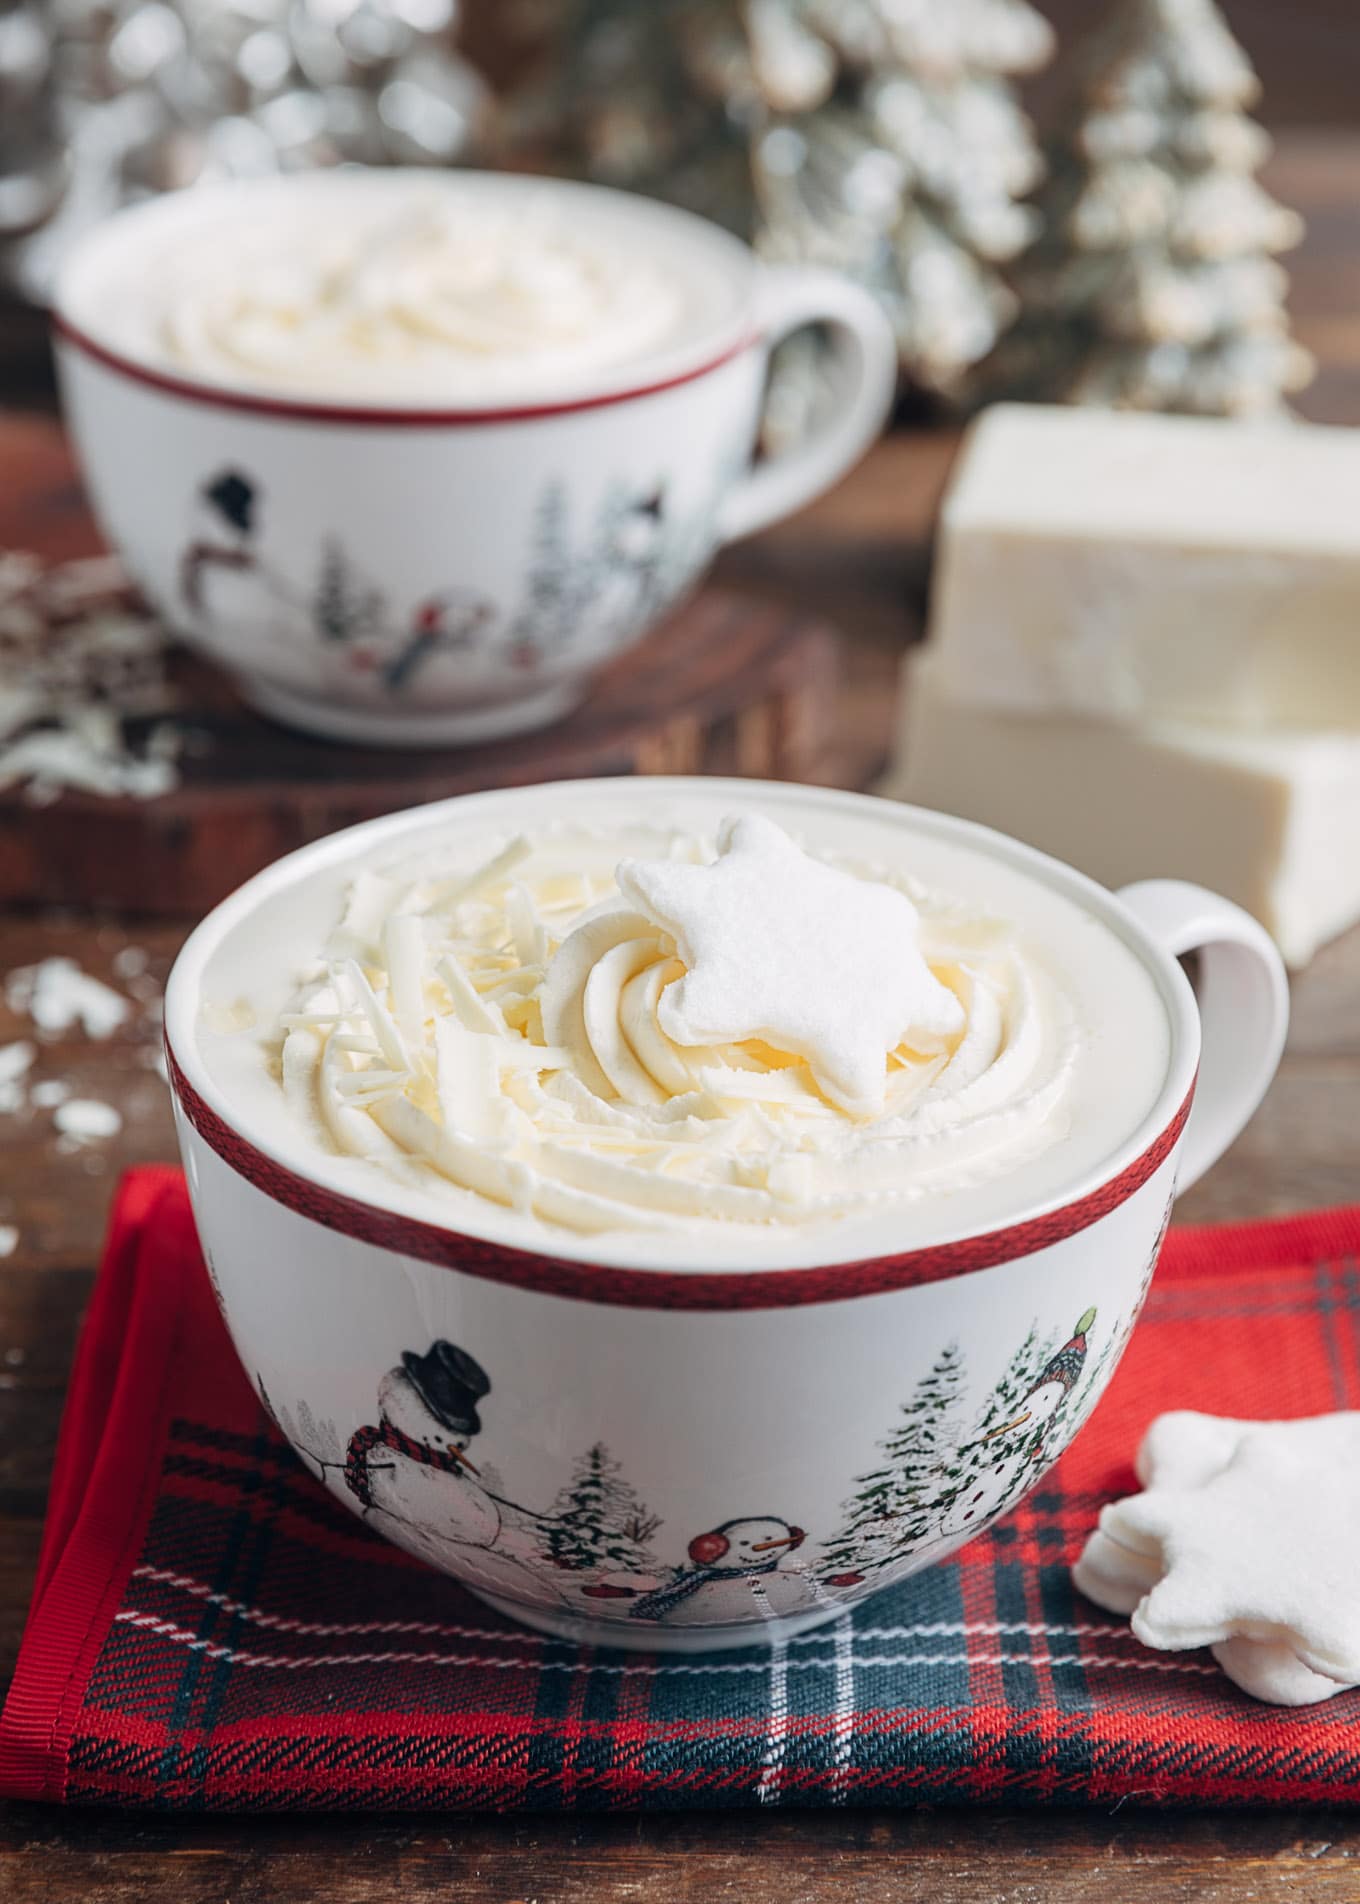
727	686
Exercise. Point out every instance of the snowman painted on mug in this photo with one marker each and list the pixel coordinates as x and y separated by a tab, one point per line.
1020	1441
731	1574
417	1484
228	581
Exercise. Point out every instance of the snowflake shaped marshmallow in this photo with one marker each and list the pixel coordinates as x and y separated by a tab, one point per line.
1246	1539
779	946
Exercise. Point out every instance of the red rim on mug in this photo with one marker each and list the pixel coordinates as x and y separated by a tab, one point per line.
655	1288
374	415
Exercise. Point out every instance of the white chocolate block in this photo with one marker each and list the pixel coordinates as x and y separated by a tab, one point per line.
1272	821
1150	567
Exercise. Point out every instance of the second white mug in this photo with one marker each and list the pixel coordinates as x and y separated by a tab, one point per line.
378	571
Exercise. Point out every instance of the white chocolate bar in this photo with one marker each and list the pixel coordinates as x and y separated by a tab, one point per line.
1270	820
1152	568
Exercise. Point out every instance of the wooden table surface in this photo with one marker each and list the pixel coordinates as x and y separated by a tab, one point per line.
860	556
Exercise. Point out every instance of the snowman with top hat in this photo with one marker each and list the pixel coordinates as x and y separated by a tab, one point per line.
735	1572
417	1484
1021	1441
223	577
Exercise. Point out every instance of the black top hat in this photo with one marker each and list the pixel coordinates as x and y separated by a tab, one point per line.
233	496
450	1383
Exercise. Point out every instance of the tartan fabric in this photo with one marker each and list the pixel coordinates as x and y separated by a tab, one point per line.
210	1631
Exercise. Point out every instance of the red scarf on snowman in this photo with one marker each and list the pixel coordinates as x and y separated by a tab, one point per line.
364	1440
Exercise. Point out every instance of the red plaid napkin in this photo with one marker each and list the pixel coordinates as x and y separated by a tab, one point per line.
210	1631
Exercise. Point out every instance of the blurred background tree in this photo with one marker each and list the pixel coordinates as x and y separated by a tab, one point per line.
881	137
106	101
1153	283
889	138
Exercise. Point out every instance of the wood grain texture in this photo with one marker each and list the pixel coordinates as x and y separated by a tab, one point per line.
860	558
937	1857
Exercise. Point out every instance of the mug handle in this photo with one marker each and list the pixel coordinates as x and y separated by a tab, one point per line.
1243	1008
864	369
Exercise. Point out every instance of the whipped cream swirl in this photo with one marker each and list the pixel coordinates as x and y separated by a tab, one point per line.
423	294
504	1031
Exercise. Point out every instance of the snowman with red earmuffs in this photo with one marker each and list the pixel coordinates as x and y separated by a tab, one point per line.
733	1573
454	622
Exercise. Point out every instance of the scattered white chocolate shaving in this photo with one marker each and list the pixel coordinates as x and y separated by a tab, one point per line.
78	659
16	1060
87	1118
57	996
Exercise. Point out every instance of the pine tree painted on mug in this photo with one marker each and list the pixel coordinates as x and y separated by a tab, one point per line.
633	548
893	1508
317	1438
342	608
977	1456
547	619
597	1519
1021	1422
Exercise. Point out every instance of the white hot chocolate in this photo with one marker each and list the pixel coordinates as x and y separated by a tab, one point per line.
410	287
690	1029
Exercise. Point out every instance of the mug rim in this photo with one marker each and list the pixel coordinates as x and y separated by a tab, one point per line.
619	1268
712	345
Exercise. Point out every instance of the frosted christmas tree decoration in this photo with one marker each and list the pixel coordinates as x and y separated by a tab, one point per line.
1246	1539
779	947
1154	284
106	101
884	138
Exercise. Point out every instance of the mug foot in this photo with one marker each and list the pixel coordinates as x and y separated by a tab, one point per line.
372	728
640	1636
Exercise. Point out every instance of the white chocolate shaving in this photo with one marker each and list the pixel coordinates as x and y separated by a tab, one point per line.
470	1008
384	1025
404	951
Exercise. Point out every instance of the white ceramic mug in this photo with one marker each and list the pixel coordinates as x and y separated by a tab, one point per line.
732	1412
387	573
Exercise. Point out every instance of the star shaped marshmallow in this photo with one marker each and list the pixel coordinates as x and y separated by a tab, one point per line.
782	947
1245	1539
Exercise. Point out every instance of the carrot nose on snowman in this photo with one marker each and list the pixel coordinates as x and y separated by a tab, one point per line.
768	1546
1063	1371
